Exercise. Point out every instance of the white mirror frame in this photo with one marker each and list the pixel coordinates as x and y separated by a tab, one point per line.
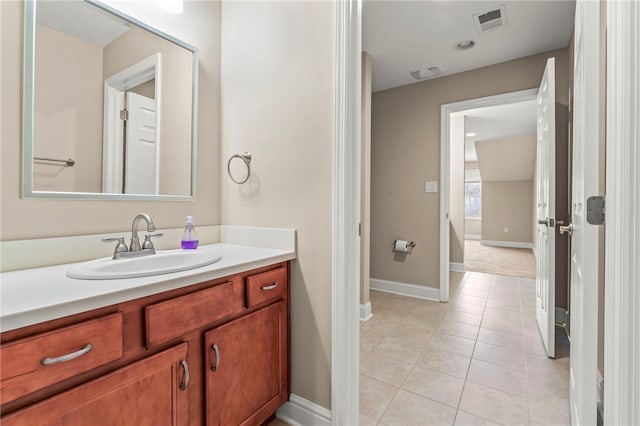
28	114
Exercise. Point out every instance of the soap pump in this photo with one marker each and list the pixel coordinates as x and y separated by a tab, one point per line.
189	238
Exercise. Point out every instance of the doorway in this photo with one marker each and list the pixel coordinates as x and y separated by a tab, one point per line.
492	176
458	165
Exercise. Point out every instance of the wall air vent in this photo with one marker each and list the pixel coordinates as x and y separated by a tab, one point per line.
426	73
491	20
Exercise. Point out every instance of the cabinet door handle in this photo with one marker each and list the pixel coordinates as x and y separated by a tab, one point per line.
216	352
68	357
269	287
185	377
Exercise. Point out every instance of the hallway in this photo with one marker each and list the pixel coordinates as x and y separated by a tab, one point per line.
476	360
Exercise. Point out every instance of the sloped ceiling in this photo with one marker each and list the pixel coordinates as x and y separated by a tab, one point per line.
505	159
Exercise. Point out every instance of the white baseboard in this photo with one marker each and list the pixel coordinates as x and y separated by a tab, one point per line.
511	244
535	252
403	289
472	237
458	267
365	312
301	412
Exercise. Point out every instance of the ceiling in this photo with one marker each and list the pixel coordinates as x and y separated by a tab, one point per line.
497	122
81	20
401	36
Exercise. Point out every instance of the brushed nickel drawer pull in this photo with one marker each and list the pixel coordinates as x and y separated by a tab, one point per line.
68	357
216	351
185	377
269	287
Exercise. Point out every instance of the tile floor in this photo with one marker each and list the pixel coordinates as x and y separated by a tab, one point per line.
477	360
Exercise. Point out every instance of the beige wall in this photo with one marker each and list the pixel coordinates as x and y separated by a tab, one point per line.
365	180
199	25
277	103
507	205
406	153
456	188
175	100
68	112
473	227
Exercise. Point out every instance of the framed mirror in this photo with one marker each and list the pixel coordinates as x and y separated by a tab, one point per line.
110	106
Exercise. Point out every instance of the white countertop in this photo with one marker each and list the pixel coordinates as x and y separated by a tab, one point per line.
35	295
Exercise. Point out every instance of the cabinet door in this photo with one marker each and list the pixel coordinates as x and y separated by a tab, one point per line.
148	392
246	368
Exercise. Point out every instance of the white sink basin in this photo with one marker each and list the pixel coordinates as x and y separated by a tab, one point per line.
163	262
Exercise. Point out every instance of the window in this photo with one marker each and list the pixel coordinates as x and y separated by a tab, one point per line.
472	198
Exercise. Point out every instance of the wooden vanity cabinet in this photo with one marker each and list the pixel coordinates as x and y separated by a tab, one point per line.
246	377
155	366
148	392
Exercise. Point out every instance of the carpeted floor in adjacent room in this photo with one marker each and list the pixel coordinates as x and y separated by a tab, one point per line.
512	262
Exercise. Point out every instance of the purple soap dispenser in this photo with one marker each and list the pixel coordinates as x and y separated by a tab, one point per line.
189	237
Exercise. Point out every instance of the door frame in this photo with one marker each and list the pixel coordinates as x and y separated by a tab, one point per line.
622	240
345	253
113	146
445	124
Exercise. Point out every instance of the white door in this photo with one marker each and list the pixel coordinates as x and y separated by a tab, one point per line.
584	239
546	196
141	153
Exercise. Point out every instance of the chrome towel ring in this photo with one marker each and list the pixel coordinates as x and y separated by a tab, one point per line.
246	157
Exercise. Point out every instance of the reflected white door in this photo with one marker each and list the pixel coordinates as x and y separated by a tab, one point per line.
546	198
141	153
584	238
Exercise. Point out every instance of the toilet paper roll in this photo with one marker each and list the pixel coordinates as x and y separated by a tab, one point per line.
402	246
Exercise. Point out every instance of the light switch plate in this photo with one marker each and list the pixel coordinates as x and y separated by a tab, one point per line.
431	186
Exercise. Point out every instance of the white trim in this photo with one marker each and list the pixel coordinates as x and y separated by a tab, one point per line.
345	253
365	312
472	237
458	267
445	111
510	244
404	289
301	412
622	269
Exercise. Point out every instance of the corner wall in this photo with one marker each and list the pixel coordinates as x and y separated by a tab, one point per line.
406	153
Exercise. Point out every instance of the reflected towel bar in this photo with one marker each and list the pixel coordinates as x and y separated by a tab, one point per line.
68	163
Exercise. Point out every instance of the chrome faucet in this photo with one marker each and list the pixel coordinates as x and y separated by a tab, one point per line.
135	242
134	249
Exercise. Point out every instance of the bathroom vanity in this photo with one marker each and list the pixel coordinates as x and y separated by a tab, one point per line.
208	346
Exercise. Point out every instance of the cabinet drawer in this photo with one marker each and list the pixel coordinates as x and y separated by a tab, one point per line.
177	317
267	286
42	360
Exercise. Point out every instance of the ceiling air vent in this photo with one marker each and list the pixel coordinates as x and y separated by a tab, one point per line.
426	73
491	20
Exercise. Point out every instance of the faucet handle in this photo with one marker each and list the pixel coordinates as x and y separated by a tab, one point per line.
147	240
121	247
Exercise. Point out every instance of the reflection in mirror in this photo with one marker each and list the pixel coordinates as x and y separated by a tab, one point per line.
113	95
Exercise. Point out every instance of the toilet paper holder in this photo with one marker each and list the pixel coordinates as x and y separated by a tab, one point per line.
402	246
